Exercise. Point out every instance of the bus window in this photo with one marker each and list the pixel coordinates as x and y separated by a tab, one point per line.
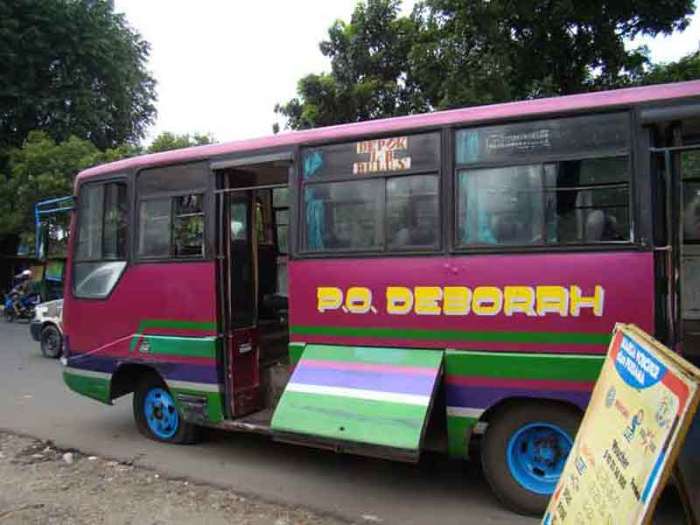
412	212
374	195
344	215
101	248
171	227
589	200
582	201
154	228
500	205
188	226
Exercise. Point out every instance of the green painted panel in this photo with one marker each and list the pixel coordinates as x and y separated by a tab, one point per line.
523	366
94	387
385	405
456	335
459	431
367	421
184	346
375	355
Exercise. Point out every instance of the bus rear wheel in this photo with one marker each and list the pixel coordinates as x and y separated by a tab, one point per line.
157	416
524	451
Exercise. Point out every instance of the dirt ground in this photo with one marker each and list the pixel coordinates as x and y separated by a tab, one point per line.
41	484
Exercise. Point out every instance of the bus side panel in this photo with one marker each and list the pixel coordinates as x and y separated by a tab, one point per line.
162	315
477	381
543	303
513	326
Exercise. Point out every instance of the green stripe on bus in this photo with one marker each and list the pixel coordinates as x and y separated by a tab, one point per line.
182	346
176	324
375	355
523	366
580	338
343	418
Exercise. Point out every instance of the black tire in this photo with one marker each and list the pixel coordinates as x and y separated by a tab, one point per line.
505	424
51	341
185	434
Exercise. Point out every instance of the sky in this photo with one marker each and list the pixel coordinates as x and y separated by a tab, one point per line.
222	65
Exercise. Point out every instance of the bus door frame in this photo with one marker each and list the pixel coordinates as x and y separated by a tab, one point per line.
674	238
240	352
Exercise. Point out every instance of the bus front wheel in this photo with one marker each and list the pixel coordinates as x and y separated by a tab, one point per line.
524	451
157	416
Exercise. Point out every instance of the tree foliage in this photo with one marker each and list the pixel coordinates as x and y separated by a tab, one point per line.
72	68
43	168
39	170
369	60
687	68
167	141
452	53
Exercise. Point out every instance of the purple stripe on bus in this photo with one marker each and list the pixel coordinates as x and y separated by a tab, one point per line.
483	397
92	363
192	373
173	371
404	384
370	367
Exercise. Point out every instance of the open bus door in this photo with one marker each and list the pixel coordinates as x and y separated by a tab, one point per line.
255	335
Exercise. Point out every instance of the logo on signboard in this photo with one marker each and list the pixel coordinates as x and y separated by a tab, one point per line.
665	411
383	155
637	367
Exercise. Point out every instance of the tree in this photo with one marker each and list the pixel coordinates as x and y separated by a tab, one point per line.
687	68
452	53
534	48
167	141
41	169
369	61
72	68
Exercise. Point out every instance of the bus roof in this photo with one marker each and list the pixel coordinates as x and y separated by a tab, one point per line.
471	115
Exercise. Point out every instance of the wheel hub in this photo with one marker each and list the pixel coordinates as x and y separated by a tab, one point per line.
161	414
536	454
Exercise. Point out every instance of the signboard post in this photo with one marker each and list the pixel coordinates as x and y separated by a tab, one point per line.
631	435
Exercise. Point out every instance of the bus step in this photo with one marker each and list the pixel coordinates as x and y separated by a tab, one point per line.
257	422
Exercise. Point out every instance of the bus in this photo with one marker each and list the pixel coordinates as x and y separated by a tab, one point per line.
445	281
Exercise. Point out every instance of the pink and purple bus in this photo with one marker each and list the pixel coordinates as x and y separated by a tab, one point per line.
443	281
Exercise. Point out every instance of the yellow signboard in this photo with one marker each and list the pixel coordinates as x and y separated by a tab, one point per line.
630	436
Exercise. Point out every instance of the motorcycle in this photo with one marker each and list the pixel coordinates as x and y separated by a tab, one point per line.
18	306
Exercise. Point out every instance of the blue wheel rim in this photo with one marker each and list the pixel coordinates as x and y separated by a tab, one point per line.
161	413
536	454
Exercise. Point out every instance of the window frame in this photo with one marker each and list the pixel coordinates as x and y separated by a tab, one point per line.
541	165
383	251
170	196
126	179
552	158
636	150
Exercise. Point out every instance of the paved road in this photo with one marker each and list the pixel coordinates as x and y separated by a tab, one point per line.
33	400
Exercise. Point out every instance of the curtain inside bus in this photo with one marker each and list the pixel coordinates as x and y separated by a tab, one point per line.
315	220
